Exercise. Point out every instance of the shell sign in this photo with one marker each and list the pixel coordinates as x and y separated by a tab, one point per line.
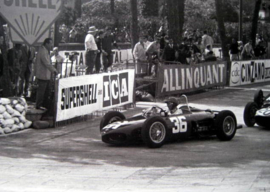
30	19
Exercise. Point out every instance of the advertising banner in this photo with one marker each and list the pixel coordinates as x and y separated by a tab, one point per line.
82	95
176	79
248	72
30	20
119	56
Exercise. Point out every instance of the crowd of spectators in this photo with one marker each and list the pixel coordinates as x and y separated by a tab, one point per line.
194	48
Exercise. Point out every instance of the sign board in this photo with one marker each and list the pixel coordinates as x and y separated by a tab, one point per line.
30	19
249	72
82	95
177	79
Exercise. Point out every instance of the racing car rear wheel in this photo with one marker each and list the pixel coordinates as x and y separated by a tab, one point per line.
154	132
258	98
226	125
110	117
249	113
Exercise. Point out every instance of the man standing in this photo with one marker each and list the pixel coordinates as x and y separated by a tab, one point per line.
107	44
43	71
91	49
139	53
207	40
28	54
57	60
153	53
14	56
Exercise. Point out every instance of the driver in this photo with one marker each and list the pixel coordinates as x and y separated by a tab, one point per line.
172	104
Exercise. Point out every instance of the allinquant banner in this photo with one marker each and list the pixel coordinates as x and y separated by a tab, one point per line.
177	79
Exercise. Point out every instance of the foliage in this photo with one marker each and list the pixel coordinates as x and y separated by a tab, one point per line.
150	8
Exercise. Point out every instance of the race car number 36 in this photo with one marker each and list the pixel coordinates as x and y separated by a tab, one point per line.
180	124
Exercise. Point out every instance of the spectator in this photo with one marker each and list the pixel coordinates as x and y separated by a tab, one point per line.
184	52
139	52
91	49
43	71
234	50
207	40
169	51
72	35
57	60
247	52
209	54
14	56
28	54
107	44
259	50
99	39
153	54
195	51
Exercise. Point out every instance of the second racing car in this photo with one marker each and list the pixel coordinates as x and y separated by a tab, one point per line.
258	110
157	125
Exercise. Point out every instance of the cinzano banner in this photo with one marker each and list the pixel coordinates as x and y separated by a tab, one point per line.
82	95
175	79
248	72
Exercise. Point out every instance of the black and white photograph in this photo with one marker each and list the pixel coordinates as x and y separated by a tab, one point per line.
134	95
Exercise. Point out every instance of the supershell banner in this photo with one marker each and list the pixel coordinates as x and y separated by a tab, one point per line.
248	72
175	79
86	94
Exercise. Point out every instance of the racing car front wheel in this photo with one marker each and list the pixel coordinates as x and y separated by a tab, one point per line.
110	117
249	113
154	132
226	125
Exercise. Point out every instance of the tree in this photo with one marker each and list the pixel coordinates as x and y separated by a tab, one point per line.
255	21
221	29
134	22
175	17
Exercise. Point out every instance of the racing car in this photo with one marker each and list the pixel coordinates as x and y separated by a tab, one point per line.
156	125
258	110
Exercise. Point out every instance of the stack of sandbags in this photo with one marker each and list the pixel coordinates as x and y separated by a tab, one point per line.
12	115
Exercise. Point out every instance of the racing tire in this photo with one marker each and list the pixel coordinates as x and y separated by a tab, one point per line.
226	125
110	117
154	132
258	98
249	113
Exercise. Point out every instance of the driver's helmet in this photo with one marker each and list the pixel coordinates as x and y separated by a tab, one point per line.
172	103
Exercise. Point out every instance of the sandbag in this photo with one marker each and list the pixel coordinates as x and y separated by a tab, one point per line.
2	109
9	109
7	130
21	125
6	115
19	107
4	101
1	116
2	131
16	120
16	114
22	119
27	124
8	122
15	128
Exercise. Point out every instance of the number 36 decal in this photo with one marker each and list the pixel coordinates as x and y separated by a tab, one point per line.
180	124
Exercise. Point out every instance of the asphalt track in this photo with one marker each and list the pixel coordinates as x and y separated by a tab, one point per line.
72	158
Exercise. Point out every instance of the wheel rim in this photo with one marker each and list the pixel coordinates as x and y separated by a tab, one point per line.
114	119
157	132
229	125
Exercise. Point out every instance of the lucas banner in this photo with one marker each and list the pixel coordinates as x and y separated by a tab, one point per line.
82	95
177	79
248	72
